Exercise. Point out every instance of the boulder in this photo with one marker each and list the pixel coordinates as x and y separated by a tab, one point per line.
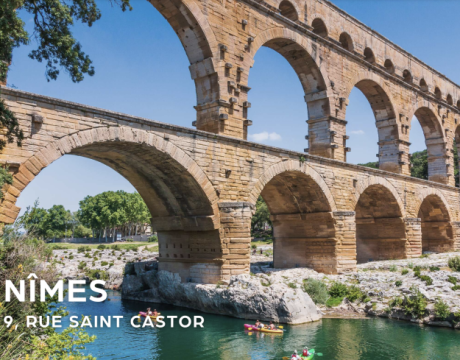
244	297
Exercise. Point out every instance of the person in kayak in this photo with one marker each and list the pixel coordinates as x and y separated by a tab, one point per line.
305	352
257	324
148	312
155	312
271	326
295	356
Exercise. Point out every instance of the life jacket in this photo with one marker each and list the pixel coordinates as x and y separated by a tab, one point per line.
305	352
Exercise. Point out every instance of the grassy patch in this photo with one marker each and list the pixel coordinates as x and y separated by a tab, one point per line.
316	289
334	301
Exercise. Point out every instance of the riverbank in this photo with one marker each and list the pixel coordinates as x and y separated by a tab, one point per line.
106	262
279	294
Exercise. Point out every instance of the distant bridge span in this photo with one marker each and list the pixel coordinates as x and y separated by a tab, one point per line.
201	185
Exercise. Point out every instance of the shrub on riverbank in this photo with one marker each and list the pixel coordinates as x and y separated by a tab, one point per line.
441	309
20	257
316	289
415	304
454	263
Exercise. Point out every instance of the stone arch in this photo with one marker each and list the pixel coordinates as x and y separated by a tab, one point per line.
458	104
319	27
435	143
450	100
407	76
437	93
181	199
296	50
369	55
389	66
289	10
346	41
301	214
435	216
289	166
377	180
423	85
382	105
423	193
380	228
118	147
190	25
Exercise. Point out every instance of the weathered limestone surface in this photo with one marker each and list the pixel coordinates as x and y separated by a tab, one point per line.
244	297
201	186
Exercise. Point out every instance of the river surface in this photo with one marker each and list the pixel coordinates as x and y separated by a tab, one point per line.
223	337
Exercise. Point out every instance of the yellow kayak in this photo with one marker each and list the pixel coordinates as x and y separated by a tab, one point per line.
144	314
253	328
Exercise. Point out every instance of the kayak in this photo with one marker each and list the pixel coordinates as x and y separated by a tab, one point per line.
253	328
309	357
144	314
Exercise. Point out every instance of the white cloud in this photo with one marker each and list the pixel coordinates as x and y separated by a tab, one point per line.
357	132
264	136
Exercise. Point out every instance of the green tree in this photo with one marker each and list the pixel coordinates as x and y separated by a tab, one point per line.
136	211
33	220
5	178
261	216
57	47
419	161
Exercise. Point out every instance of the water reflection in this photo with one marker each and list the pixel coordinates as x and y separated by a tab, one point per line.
224	337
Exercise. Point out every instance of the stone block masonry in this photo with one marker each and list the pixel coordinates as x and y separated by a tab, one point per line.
201	186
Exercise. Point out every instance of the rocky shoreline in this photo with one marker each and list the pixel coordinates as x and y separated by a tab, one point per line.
278	295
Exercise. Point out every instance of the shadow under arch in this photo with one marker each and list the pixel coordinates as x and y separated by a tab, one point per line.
302	217
180	197
385	120
435	144
380	228
437	231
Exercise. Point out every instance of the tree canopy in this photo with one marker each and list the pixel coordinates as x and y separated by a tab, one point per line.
108	212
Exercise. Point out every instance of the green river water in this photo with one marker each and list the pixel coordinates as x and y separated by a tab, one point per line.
224	338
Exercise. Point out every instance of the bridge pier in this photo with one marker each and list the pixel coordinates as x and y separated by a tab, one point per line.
327	138
413	237
323	241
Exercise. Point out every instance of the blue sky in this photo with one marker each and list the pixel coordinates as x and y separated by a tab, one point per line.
142	69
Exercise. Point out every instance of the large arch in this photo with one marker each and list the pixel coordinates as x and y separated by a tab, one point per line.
302	218
382	105
435	144
303	56
179	195
380	228
437	232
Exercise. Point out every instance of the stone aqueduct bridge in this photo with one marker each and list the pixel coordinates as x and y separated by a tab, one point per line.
201	185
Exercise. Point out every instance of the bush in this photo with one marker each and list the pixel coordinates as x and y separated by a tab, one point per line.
454	263
104	263
396	302
153	238
441	309
316	289
101	247
434	268
115	247
97	274
393	268
427	279
415	305
398	283
404	272
253	246
81	265
456	287
334	301
81	249
410	265
129	240
70	257
452	279
292	285
354	293
338	290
